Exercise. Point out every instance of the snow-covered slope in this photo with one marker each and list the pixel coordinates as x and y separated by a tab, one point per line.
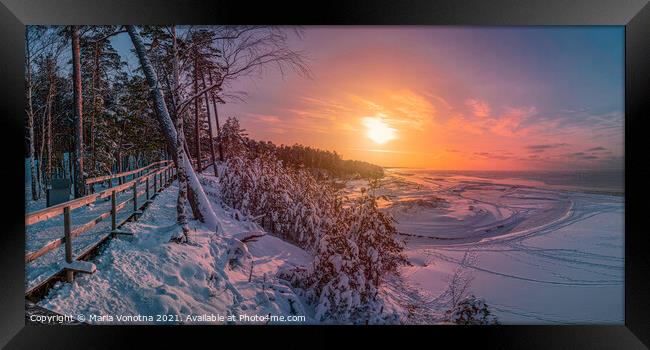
147	275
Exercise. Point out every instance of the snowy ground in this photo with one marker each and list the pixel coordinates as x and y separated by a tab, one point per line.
41	233
147	275
541	255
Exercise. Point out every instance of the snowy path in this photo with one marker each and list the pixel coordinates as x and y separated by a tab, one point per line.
41	233
147	275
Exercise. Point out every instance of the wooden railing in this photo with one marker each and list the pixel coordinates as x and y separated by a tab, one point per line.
156	180
122	175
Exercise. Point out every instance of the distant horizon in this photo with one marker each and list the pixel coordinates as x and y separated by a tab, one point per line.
509	170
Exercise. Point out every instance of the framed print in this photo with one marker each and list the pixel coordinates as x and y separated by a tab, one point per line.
392	170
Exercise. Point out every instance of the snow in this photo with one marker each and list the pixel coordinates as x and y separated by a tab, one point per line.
41	233
203	202
539	255
542	255
145	274
81	266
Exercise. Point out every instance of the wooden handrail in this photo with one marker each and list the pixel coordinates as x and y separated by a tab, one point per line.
93	180
56	210
59	209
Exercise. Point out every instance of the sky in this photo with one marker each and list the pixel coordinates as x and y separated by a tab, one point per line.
448	98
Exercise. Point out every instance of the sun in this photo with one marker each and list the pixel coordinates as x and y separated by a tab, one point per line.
378	130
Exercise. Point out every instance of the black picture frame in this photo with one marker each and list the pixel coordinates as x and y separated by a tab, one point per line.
633	14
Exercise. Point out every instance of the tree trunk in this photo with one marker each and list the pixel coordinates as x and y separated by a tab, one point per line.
201	208
50	96
207	108
181	216
36	195
216	119
79	187
41	151
197	124
91	132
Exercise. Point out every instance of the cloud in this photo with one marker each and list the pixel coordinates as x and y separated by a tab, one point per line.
596	149
272	119
494	155
543	147
403	109
582	156
459	122
510	123
479	108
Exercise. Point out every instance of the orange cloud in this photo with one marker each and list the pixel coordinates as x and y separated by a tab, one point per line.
266	118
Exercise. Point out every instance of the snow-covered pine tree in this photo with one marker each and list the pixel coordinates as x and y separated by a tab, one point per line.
374	232
196	196
353	258
233	139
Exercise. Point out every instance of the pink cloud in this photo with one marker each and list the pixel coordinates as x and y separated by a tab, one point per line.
265	118
510	122
479	108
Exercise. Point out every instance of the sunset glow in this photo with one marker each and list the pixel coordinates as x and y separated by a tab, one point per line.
449	98
378	130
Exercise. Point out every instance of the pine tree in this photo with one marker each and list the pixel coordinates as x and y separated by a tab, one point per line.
198	201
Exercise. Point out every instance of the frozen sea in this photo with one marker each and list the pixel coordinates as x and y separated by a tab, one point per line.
545	247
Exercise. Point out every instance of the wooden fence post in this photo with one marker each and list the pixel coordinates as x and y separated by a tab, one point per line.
113	212
155	183
68	242
135	196
146	184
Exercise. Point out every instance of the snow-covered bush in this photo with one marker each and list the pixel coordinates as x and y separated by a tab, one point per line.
471	311
289	203
352	259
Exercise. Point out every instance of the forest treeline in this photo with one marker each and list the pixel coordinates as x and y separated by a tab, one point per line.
117	128
321	163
